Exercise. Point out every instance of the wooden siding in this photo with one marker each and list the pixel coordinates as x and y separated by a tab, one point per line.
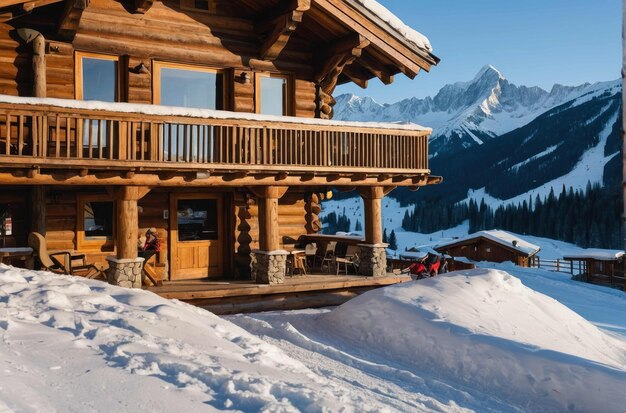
485	250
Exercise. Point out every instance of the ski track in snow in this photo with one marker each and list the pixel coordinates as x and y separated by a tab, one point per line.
398	388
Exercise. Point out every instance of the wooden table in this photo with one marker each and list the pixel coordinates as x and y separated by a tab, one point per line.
8	255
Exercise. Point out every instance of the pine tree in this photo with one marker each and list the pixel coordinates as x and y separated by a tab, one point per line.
393	242
358	226
385	235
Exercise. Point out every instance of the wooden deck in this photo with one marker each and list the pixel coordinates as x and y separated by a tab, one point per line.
310	291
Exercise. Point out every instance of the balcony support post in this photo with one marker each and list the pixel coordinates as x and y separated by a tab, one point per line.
38	209
268	263
373	251
125	267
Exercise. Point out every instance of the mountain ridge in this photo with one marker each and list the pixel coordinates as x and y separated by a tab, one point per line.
468	113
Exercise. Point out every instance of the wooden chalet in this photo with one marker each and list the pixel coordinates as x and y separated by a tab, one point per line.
599	266
209	120
492	246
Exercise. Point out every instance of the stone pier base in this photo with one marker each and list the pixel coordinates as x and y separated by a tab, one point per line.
373	260
268	267
125	272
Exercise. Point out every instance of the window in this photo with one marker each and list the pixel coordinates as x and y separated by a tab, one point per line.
197	219
97	77
95	226
272	94
188	86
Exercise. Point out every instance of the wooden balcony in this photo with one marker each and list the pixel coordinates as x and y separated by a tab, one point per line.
86	137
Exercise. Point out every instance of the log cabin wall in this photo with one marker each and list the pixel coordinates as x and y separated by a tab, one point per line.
291	220
168	33
15	64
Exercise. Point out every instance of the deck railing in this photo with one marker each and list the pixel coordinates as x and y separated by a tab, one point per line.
48	133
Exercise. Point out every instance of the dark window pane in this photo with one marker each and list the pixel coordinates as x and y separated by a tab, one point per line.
201	4
273	95
191	88
98	219
99	79
197	219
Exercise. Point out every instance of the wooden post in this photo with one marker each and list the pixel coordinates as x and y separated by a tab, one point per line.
269	234
39	66
38	212
372	202
127	231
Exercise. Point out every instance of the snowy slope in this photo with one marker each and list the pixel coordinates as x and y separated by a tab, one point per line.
480	340
472	341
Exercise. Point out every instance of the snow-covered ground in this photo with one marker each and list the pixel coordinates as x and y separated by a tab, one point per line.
491	339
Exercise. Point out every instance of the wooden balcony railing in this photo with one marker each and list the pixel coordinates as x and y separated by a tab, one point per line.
50	134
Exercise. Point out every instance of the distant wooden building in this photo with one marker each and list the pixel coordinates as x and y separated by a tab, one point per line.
599	266
235	159
493	246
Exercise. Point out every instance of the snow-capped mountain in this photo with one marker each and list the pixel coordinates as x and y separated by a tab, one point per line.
465	114
526	140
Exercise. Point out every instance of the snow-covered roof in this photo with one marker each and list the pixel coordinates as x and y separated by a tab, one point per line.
596	254
407	33
158	110
498	236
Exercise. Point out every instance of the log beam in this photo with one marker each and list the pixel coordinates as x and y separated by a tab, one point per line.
278	26
88	177
385	75
335	58
70	19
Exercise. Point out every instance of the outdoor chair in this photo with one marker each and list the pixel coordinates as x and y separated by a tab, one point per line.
309	251
62	262
350	260
326	257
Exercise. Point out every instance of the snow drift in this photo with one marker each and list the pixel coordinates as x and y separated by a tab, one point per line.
69	344
483	329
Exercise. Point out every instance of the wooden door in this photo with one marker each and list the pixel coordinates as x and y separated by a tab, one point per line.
197	236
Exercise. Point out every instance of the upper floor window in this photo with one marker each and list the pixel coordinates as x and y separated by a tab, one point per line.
97	77
188	86
272	94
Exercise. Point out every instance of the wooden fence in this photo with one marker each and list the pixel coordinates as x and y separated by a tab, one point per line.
558	265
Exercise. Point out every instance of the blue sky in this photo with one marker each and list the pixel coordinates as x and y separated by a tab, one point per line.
531	42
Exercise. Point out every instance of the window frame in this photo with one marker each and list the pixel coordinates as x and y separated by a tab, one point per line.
78	68
100	243
288	98
157	65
